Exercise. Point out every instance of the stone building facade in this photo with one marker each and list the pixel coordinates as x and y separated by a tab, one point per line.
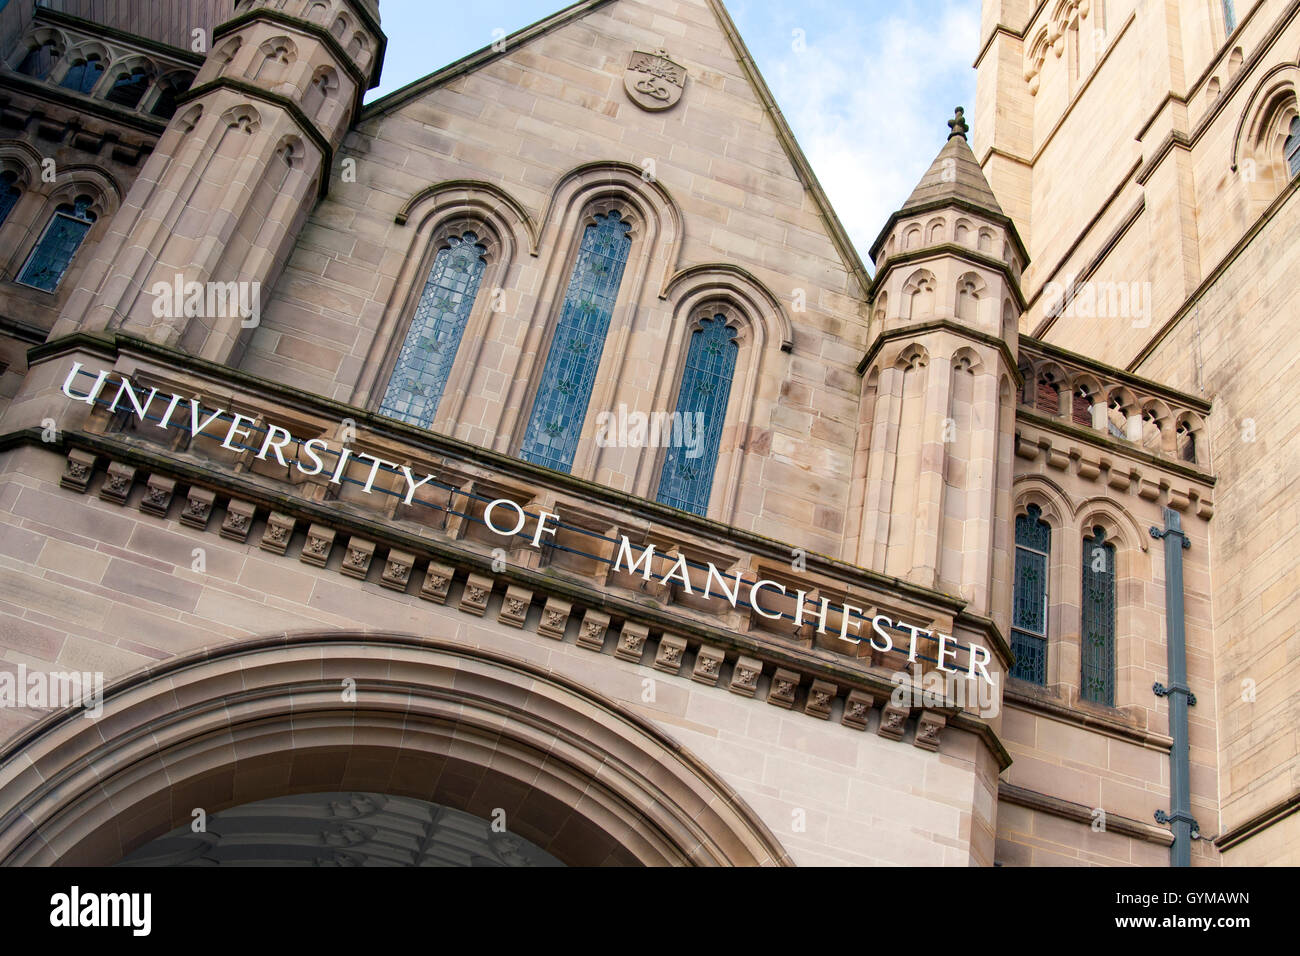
524	467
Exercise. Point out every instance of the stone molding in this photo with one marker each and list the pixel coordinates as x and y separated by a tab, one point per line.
214	729
821	692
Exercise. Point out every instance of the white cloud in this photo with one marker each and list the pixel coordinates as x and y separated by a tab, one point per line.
868	101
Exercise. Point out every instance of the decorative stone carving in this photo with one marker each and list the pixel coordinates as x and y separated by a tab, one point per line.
357	558
820	697
279	529
744	676
77	470
708	666
437	579
198	508
784	685
316	550
631	642
474	599
857	708
671	651
927	730
117	483
239	520
397	570
514	609
555	618
591	634
893	720
654	82
158	494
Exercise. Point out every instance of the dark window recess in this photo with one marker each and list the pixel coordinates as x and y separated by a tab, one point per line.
83	76
9	194
38	62
171	90
128	89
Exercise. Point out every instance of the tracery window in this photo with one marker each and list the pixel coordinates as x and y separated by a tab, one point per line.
9	194
169	91
425	360
1097	630
1029	600
128	89
39	61
58	244
692	457
83	76
560	408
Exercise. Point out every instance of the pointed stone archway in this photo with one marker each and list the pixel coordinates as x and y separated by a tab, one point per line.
576	774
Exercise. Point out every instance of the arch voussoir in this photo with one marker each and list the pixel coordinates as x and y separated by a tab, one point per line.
575	773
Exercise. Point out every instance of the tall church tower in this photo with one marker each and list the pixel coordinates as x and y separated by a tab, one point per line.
207	227
933	470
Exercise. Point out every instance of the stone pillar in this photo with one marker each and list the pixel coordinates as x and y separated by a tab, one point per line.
207	227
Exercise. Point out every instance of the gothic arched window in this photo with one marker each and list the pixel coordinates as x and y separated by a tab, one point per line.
1097	630
1029	596
169	90
58	244
1291	148
1229	17
1081	407
692	456
128	89
39	60
1186	439
9	194
560	408
82	76
426	357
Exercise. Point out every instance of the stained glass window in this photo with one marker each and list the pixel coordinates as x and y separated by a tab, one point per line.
425	361
9	193
60	242
83	76
1098	619
696	427
1292	147
570	373
1029	597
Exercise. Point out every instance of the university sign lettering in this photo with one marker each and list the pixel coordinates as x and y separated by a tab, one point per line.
507	518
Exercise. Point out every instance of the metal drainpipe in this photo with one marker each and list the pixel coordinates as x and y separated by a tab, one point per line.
1180	696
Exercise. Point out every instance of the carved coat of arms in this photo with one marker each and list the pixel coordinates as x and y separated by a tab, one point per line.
653	81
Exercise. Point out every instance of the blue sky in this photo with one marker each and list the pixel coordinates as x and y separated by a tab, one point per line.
867	92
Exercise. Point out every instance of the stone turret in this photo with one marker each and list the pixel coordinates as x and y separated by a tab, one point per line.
934	457
207	227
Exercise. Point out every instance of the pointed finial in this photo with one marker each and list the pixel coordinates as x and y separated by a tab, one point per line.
958	124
